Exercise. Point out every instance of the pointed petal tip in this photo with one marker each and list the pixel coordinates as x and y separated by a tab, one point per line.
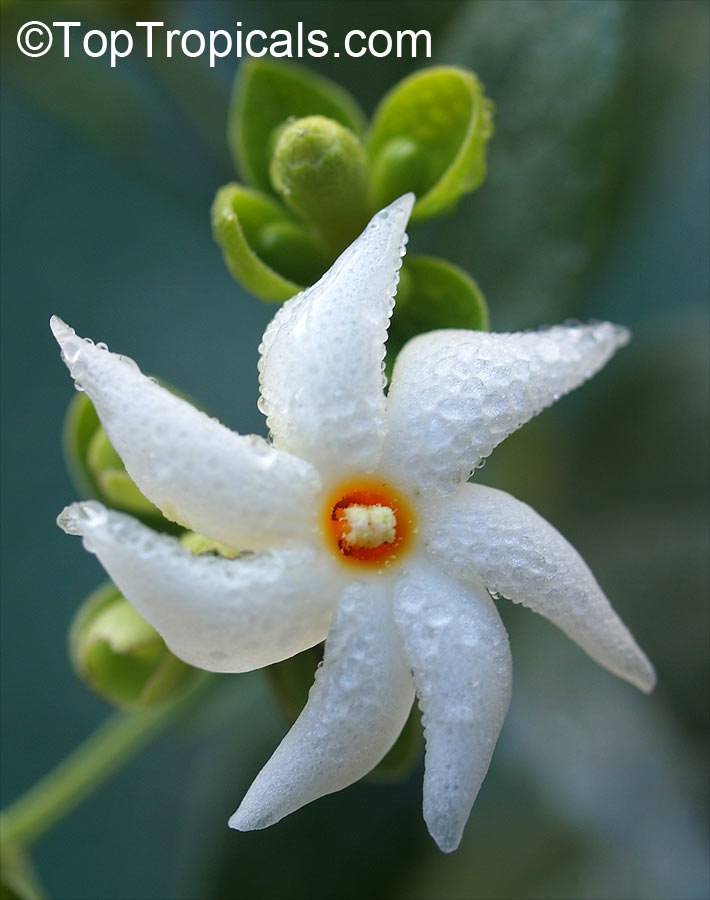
623	335
620	334
446	833
399	210
78	517
61	331
404	204
245	819
235	822
633	665
646	679
446	847
58	326
68	340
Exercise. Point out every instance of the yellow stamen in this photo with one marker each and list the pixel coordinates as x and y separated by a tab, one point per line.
370	526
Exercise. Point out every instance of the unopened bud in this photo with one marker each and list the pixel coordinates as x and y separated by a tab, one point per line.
96	468
120	656
115	484
319	168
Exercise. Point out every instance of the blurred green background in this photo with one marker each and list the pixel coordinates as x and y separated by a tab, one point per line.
595	207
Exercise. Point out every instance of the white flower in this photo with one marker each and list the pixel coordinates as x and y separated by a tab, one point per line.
364	530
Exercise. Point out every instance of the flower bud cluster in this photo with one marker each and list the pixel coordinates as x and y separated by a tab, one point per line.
315	172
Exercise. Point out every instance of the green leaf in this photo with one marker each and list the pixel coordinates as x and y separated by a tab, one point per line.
266	94
434	293
256	236
429	136
556	72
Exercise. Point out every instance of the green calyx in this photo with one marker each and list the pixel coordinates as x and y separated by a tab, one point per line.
120	656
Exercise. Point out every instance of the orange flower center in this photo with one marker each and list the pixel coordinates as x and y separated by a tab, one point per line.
367	521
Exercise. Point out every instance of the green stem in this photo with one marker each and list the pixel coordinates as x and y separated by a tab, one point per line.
116	741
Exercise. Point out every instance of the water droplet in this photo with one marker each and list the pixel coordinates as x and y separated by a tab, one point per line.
70	351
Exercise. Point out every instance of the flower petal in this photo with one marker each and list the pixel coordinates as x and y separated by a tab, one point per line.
322	358
458	648
224	615
455	395
234	488
482	533
356	709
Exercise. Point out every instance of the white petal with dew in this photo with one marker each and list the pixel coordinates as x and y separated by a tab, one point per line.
482	533
322	356
357	707
455	395
223	615
234	488
458	649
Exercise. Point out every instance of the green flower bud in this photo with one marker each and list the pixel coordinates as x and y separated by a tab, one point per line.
120	656
268	93
319	168
114	483
98	471
96	468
